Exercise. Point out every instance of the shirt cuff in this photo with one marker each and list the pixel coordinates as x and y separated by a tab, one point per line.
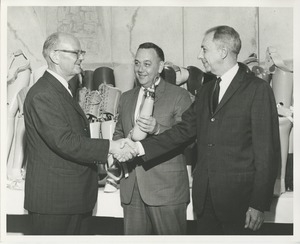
140	148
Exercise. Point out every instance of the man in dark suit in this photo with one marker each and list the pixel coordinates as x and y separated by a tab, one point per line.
155	195
237	141
61	178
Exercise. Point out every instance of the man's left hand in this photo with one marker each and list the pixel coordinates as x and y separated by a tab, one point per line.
254	219
147	124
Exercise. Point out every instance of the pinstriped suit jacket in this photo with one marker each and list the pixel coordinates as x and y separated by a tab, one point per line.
61	177
238	146
162	181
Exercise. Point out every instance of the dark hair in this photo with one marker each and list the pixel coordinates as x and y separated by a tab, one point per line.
158	50
227	36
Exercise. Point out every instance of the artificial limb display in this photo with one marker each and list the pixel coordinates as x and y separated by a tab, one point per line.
282	85
18	80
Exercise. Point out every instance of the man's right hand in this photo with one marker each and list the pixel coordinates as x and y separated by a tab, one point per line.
123	149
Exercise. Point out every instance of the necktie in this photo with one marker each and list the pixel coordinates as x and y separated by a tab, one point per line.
215	97
72	90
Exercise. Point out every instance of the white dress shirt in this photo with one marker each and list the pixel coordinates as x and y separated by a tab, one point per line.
226	80
61	80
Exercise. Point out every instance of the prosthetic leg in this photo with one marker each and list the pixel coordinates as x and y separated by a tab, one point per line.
18	77
103	75
17	86
289	177
282	85
99	100
17	161
117	169
107	131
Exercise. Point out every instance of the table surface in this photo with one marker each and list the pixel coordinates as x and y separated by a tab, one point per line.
109	205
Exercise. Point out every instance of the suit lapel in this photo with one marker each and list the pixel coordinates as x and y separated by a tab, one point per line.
64	93
160	90
234	85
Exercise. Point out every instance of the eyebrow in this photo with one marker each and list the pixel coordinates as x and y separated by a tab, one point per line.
147	60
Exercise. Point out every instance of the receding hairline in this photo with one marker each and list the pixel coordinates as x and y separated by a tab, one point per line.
222	34
54	40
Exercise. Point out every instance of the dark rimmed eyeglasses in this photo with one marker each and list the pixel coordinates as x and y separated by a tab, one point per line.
78	53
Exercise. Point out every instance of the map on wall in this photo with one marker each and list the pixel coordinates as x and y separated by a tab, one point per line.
89	24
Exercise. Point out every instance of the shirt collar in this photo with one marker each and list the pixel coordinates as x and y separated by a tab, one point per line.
155	84
60	79
228	76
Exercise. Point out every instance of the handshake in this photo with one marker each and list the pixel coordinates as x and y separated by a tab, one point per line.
122	151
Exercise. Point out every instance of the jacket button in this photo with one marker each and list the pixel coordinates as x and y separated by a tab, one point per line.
210	144
212	119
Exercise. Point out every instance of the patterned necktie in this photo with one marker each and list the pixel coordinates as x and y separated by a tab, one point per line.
215	97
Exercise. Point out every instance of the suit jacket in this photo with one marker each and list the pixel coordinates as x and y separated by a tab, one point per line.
238	146
61	175
162	181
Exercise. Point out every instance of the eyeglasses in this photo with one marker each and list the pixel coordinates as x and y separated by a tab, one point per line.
78	53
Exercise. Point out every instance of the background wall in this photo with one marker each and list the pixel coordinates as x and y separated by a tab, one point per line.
111	35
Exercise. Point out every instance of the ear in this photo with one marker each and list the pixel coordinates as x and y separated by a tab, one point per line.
223	52
161	66
54	56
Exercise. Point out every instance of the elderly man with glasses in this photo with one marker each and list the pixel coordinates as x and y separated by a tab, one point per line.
61	178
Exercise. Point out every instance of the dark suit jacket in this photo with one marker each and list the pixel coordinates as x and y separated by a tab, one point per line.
238	146
61	175
162	181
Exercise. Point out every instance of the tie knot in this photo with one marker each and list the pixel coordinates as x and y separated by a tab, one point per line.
150	91
219	80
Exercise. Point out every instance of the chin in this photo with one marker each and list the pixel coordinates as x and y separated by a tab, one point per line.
207	69
143	82
77	70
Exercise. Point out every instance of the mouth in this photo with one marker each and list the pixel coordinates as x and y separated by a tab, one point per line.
204	62
142	76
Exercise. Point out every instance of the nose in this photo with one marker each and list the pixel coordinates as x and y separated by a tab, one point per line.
140	68
200	55
81	57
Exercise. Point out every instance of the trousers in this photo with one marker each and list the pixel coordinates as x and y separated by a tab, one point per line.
58	224
143	219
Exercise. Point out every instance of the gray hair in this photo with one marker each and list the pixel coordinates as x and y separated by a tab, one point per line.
227	36
50	44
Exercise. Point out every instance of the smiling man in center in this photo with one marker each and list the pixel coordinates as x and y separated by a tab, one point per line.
155	195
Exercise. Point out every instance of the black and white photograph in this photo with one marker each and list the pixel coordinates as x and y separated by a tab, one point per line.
149	121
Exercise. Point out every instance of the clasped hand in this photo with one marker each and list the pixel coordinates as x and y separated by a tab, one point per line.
123	149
